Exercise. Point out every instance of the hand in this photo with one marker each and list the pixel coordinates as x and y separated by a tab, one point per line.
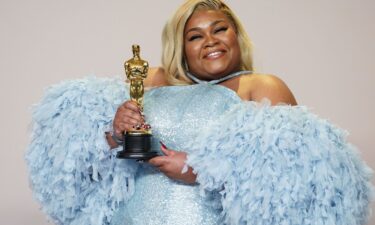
172	163
128	117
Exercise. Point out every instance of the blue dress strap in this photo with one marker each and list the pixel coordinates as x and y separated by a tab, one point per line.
227	77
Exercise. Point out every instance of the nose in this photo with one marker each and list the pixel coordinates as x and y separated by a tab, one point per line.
210	41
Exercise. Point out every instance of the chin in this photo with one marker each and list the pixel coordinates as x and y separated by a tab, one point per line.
218	71
217	74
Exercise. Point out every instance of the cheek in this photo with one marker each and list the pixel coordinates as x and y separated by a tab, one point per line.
191	52
233	41
235	46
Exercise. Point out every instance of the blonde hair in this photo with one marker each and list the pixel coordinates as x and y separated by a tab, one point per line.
173	57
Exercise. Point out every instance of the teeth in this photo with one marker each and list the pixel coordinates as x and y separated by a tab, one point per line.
214	54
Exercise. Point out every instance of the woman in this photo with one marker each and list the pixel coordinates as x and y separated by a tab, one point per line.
227	155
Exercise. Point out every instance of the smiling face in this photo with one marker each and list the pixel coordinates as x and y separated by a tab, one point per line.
211	45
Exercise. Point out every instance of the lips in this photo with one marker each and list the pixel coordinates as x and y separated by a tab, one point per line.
214	54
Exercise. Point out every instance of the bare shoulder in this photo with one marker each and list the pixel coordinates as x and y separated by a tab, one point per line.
269	86
155	77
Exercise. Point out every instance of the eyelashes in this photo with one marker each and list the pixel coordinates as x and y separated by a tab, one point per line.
198	36
194	37
220	29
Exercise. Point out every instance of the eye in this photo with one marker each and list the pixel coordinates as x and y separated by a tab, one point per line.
194	37
220	29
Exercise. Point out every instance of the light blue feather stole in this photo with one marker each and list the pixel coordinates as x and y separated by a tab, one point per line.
278	165
73	173
271	165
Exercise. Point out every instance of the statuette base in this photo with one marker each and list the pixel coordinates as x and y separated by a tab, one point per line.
137	145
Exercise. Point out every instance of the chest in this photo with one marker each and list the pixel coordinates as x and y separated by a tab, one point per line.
179	113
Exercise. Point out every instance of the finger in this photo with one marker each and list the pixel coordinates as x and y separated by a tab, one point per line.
158	161
128	114
120	128
126	127
123	113
165	150
131	105
128	122
124	122
125	108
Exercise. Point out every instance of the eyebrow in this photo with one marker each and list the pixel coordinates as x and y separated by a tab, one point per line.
198	28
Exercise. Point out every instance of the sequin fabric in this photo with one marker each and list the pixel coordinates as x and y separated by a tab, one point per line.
177	114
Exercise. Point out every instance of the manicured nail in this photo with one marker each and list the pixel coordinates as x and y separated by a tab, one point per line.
146	126
163	145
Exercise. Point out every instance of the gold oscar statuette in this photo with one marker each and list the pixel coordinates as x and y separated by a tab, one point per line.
137	144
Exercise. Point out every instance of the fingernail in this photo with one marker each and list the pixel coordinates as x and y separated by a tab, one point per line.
163	145
146	126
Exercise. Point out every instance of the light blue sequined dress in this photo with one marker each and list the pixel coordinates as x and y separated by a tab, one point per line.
177	115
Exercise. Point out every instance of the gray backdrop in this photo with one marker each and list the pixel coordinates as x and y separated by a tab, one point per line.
322	49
